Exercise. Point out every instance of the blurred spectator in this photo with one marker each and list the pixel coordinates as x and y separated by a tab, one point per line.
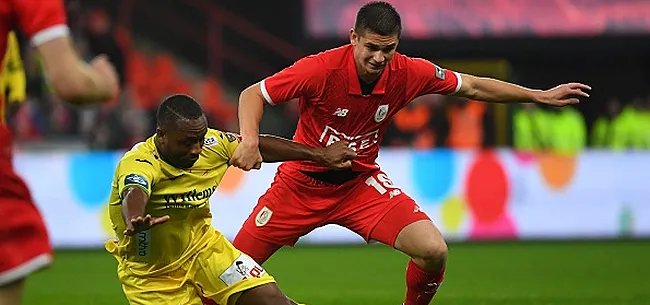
411	123
531	130
568	130
422	124
645	123
465	124
607	130
281	119
633	123
100	36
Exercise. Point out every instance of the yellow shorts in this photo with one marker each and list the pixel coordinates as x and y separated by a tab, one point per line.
220	272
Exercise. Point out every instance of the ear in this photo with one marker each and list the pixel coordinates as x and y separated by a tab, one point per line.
160	132
354	37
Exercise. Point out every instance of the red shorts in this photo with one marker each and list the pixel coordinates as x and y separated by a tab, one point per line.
24	243
295	204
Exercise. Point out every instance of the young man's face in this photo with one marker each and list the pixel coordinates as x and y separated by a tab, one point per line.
372	52
182	145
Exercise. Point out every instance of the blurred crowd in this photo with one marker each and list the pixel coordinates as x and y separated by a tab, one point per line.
621	126
427	122
145	79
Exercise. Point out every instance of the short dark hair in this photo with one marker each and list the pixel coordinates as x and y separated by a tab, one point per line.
178	107
378	17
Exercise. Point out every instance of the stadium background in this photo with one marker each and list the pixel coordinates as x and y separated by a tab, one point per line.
561	220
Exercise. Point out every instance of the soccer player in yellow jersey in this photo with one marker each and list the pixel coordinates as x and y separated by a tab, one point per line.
166	247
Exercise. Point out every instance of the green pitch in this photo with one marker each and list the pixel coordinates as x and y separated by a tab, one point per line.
577	273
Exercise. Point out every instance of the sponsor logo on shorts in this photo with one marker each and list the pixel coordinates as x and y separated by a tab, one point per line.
417	209
263	217
135	179
394	193
242	268
144	243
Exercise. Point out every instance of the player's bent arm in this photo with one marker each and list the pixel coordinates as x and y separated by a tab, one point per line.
72	79
495	91
251	108
276	149
134	202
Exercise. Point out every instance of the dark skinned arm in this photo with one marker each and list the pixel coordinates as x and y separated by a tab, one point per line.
134	203
277	149
337	156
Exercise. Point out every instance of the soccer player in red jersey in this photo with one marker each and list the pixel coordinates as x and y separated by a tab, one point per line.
351	93
24	243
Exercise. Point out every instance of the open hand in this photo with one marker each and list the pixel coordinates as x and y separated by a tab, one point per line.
565	94
338	156
139	224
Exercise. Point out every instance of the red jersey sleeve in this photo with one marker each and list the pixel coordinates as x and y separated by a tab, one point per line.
304	78
41	20
428	78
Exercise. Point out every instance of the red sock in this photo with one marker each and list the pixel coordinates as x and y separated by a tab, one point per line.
421	285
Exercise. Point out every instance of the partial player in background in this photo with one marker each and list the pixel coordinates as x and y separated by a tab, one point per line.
13	83
24	242
166	247
351	93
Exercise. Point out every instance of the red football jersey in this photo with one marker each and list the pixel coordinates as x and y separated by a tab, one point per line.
332	107
39	20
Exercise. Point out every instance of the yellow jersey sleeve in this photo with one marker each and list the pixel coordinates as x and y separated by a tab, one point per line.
136	169
13	72
222	143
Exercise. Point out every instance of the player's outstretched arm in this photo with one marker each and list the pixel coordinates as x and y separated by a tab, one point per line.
336	156
74	80
496	91
134	203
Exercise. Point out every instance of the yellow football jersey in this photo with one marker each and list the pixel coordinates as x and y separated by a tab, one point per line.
183	194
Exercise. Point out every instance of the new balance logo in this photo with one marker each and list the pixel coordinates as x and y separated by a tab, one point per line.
342	112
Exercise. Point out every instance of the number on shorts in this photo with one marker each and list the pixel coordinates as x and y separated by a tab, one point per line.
256	272
382	185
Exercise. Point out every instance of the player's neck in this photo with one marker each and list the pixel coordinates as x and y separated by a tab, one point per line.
156	142
369	78
366	77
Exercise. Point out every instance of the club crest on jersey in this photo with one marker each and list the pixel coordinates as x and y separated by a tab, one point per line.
381	113
211	141
263	217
